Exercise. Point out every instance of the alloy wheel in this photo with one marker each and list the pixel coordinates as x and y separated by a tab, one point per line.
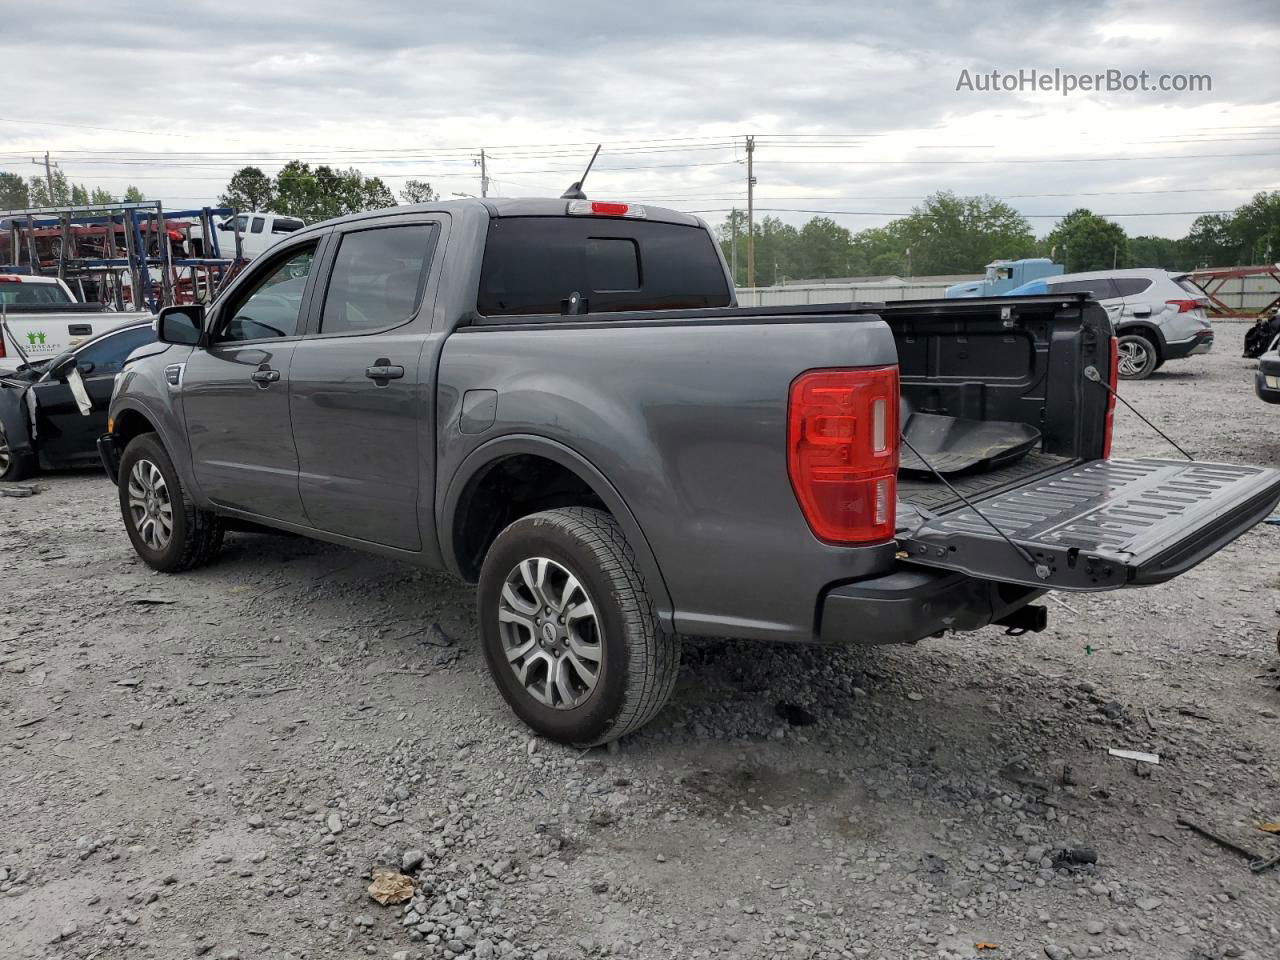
6	456
149	505
551	633
1133	357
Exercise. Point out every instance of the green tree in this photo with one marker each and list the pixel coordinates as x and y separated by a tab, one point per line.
1256	229
296	191
951	234
43	196
79	194
418	191
249	189
1084	241
1212	242
101	196
325	192
776	252
823	249
133	195
14	194
1163	252
881	251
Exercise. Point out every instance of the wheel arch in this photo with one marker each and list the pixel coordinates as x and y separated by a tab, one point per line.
131	414
1148	330
462	505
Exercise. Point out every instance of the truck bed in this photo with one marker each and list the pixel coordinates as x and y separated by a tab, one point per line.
931	494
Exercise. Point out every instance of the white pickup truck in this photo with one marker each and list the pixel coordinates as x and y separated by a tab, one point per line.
41	319
258	230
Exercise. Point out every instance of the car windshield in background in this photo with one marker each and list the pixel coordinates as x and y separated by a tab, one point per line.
532	265
31	294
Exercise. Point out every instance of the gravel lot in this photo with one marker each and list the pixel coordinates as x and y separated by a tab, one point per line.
213	764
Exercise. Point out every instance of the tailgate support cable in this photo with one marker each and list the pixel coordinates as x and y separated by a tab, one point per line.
1091	373
1041	569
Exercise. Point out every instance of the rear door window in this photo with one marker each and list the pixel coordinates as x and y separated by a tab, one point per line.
377	279
1132	286
1100	288
532	265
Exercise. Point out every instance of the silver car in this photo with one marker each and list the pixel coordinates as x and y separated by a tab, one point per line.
1158	315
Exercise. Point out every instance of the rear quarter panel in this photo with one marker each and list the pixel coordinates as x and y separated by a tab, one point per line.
687	421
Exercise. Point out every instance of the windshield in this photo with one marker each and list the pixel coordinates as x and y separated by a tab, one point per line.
27	294
1189	285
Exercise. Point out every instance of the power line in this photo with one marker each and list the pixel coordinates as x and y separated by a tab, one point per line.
1174	156
889	213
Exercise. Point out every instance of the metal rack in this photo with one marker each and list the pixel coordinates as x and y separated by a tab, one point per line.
130	241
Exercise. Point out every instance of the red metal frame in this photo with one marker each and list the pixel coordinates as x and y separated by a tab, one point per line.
1212	280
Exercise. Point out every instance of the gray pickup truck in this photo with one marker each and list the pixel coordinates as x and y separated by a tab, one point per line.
560	401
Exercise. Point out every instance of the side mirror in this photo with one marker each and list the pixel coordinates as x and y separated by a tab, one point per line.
181	325
86	367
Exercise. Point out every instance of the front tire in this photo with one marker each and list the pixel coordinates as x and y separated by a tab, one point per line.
1138	356
168	531
14	466
569	631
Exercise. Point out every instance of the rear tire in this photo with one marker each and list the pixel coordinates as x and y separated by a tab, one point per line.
14	466
168	531
1138	356
569	631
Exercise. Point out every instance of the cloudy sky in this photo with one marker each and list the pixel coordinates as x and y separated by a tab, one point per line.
855	109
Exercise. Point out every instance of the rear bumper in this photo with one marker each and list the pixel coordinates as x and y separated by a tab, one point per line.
1201	342
910	604
109	454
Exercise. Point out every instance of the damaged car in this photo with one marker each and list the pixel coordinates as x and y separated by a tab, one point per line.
52	411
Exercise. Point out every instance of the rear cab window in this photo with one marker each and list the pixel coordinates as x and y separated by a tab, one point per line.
25	293
533	265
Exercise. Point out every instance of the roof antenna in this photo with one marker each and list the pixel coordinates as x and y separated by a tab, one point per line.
575	191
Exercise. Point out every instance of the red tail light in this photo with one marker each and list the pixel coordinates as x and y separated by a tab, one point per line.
1184	306
605	208
842	452
1113	378
3	355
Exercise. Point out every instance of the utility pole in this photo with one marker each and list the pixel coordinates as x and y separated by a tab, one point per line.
733	245
484	174
48	173
751	213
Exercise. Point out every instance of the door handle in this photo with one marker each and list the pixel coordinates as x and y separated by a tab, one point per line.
384	371
265	376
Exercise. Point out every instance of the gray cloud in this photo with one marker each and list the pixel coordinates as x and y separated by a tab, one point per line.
252	79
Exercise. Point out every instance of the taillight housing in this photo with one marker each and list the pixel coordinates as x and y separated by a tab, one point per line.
1184	306
842	452
1113	378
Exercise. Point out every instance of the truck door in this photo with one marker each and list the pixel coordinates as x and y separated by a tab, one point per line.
64	435
358	394
235	392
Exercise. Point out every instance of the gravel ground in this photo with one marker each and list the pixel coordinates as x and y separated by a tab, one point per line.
214	764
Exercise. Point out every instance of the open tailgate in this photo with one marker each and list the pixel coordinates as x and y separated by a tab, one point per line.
1100	525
